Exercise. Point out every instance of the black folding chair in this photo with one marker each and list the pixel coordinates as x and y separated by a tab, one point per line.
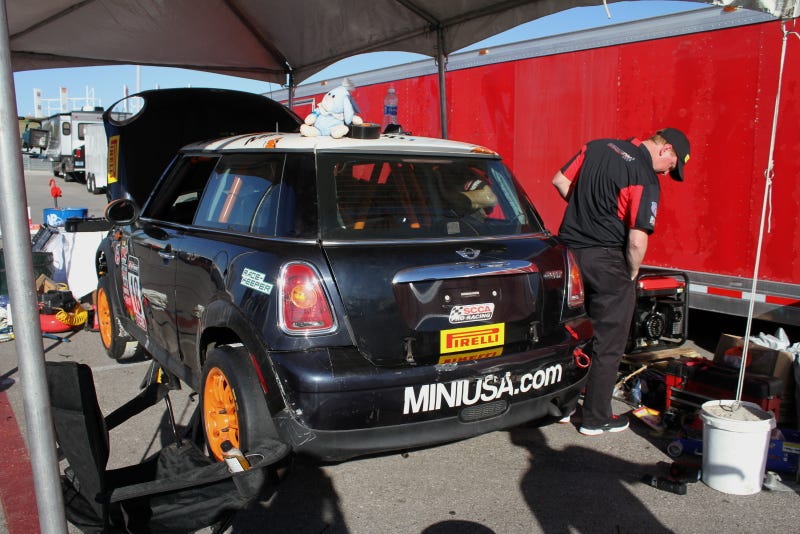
178	489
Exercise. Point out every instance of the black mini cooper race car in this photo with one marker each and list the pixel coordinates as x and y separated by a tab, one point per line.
345	296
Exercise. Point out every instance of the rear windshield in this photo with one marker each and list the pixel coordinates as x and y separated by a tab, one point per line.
379	196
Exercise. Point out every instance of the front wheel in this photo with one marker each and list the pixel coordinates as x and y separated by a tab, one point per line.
117	344
233	402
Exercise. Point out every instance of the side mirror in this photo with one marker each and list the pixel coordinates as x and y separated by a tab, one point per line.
122	211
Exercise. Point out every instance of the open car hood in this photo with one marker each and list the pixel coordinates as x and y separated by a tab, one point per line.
141	145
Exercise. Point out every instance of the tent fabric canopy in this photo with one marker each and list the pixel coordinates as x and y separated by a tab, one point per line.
267	40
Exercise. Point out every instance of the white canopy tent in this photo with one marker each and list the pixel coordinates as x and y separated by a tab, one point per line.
280	42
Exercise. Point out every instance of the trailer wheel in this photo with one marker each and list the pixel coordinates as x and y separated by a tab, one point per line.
233	403
675	449
117	344
90	183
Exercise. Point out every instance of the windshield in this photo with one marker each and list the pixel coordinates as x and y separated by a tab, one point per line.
397	197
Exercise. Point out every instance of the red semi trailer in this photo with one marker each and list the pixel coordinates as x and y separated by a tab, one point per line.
711	72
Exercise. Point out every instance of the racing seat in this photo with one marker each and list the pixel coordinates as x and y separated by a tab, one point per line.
178	489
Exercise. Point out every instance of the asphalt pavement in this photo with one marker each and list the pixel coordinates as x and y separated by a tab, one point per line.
537	478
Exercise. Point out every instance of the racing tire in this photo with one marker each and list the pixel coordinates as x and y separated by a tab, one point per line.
118	345
233	402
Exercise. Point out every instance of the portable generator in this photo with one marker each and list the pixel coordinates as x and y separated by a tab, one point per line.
662	310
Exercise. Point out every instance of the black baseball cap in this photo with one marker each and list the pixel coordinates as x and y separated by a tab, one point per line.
680	143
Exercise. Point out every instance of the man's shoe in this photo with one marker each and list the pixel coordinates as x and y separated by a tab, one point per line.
618	423
567	418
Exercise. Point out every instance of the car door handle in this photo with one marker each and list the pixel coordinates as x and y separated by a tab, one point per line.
166	253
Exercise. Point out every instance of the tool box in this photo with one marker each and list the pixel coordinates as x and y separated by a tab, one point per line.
691	382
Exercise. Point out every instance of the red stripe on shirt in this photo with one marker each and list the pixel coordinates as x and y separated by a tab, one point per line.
628	203
573	167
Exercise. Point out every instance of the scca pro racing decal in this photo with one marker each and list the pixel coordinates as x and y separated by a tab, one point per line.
471	312
472	338
487	388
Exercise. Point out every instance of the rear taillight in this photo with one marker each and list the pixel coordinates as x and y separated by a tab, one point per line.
305	308
574	282
78	153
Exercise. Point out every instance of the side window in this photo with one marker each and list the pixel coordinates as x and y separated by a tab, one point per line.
265	194
66	128
178	196
82	130
239	185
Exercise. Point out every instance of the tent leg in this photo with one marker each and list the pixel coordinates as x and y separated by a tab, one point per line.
290	104
441	60
22	290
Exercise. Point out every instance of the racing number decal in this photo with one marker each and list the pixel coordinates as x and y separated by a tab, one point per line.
131	287
135	288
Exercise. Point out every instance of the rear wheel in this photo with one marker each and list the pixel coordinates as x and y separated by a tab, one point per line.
117	344
233	403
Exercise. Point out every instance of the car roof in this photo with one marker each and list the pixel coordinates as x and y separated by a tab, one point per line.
399	143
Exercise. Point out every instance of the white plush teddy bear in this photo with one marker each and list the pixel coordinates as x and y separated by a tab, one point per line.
333	115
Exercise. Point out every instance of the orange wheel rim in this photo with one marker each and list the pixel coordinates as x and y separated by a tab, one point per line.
104	318
221	416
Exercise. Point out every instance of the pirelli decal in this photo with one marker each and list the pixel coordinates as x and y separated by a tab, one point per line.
472	338
493	352
113	159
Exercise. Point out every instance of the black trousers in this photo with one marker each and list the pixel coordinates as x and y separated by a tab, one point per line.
610	301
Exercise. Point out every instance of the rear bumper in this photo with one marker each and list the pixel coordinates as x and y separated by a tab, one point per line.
333	445
338	405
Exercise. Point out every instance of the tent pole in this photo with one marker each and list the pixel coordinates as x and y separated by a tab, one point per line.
22	291
441	60
768	179
291	91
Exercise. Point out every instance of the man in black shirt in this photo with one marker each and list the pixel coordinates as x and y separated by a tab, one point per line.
612	190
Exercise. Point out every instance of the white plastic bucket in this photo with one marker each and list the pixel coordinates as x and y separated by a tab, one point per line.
735	445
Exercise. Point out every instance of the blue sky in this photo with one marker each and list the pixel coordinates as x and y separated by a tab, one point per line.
106	84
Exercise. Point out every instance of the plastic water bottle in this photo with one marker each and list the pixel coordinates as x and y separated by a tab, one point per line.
389	108
636	392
